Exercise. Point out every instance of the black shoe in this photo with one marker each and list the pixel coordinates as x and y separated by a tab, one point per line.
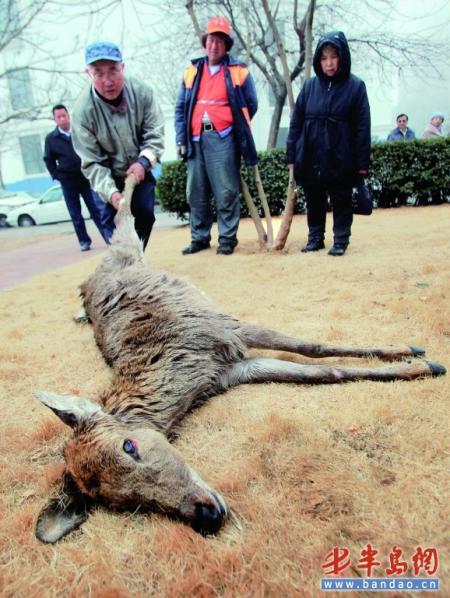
195	247
313	246
85	246
337	250
225	250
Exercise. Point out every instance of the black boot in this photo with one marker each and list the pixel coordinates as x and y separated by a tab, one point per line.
195	247
313	246
338	249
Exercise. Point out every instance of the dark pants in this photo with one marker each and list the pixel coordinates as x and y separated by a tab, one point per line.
316	209
142	208
72	189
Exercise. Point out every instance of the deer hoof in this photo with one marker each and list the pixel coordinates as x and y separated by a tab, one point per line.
417	351
436	368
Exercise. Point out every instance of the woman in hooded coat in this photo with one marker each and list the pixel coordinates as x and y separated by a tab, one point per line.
328	144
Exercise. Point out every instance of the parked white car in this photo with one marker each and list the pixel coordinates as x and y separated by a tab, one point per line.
10	200
49	207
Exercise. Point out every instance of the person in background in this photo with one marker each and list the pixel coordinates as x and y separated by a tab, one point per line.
118	130
402	132
434	128
328	144
215	103
64	166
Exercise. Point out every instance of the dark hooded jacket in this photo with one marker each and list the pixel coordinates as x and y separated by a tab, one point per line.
329	133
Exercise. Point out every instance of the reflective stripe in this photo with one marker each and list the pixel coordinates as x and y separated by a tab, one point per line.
213	102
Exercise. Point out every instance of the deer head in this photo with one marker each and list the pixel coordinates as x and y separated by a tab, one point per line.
122	466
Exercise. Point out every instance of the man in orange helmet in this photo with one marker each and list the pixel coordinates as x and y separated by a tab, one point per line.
215	104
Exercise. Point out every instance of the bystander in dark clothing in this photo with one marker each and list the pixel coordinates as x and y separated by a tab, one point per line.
64	166
328	144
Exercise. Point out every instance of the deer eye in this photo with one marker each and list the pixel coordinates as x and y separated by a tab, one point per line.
130	447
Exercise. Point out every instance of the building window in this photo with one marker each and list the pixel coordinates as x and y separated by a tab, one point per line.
31	148
20	91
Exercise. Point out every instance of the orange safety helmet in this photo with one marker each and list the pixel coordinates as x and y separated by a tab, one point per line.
219	25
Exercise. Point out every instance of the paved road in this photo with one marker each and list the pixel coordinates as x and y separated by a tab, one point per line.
17	265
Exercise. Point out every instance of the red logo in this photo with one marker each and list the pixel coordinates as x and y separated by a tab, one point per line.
423	559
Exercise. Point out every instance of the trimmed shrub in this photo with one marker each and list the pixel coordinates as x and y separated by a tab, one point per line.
401	172
415	172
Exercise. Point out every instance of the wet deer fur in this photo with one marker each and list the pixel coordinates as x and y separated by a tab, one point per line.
170	350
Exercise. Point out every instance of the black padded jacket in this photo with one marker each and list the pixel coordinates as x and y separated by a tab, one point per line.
329	133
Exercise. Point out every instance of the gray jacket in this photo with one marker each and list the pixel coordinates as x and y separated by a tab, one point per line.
109	139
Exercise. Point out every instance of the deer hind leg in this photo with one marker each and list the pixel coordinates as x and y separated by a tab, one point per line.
81	316
262	369
257	337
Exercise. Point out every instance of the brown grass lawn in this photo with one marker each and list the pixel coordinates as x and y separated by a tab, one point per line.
304	468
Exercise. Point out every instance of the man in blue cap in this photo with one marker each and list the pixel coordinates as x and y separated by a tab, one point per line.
118	130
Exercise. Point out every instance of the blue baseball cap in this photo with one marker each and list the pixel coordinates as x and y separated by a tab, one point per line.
102	51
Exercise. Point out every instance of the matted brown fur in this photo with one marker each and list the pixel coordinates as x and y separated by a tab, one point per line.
303	468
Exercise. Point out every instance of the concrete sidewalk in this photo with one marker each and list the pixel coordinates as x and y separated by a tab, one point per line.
18	265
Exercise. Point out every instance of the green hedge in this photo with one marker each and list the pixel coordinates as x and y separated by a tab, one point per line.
415	172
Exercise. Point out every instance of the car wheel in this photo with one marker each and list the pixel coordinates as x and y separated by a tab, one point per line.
3	222
26	220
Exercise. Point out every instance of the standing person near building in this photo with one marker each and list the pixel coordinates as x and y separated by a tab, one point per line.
118	130
434	128
328	144
64	166
402	132
216	101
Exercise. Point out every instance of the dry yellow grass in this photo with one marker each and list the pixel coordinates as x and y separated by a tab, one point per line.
303	468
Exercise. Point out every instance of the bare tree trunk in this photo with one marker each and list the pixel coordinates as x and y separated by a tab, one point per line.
265	206
281	52
288	214
262	237
308	38
275	121
197	29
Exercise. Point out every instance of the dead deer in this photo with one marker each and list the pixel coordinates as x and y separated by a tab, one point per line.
170	350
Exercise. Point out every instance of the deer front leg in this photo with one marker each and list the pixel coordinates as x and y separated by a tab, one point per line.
262	369
257	337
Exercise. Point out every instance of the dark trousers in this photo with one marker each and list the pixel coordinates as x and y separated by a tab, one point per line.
316	210
142	208
72	189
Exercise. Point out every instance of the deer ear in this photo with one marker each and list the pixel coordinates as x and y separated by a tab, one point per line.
63	514
69	408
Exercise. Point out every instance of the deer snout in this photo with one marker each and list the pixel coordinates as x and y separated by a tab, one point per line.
208	518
